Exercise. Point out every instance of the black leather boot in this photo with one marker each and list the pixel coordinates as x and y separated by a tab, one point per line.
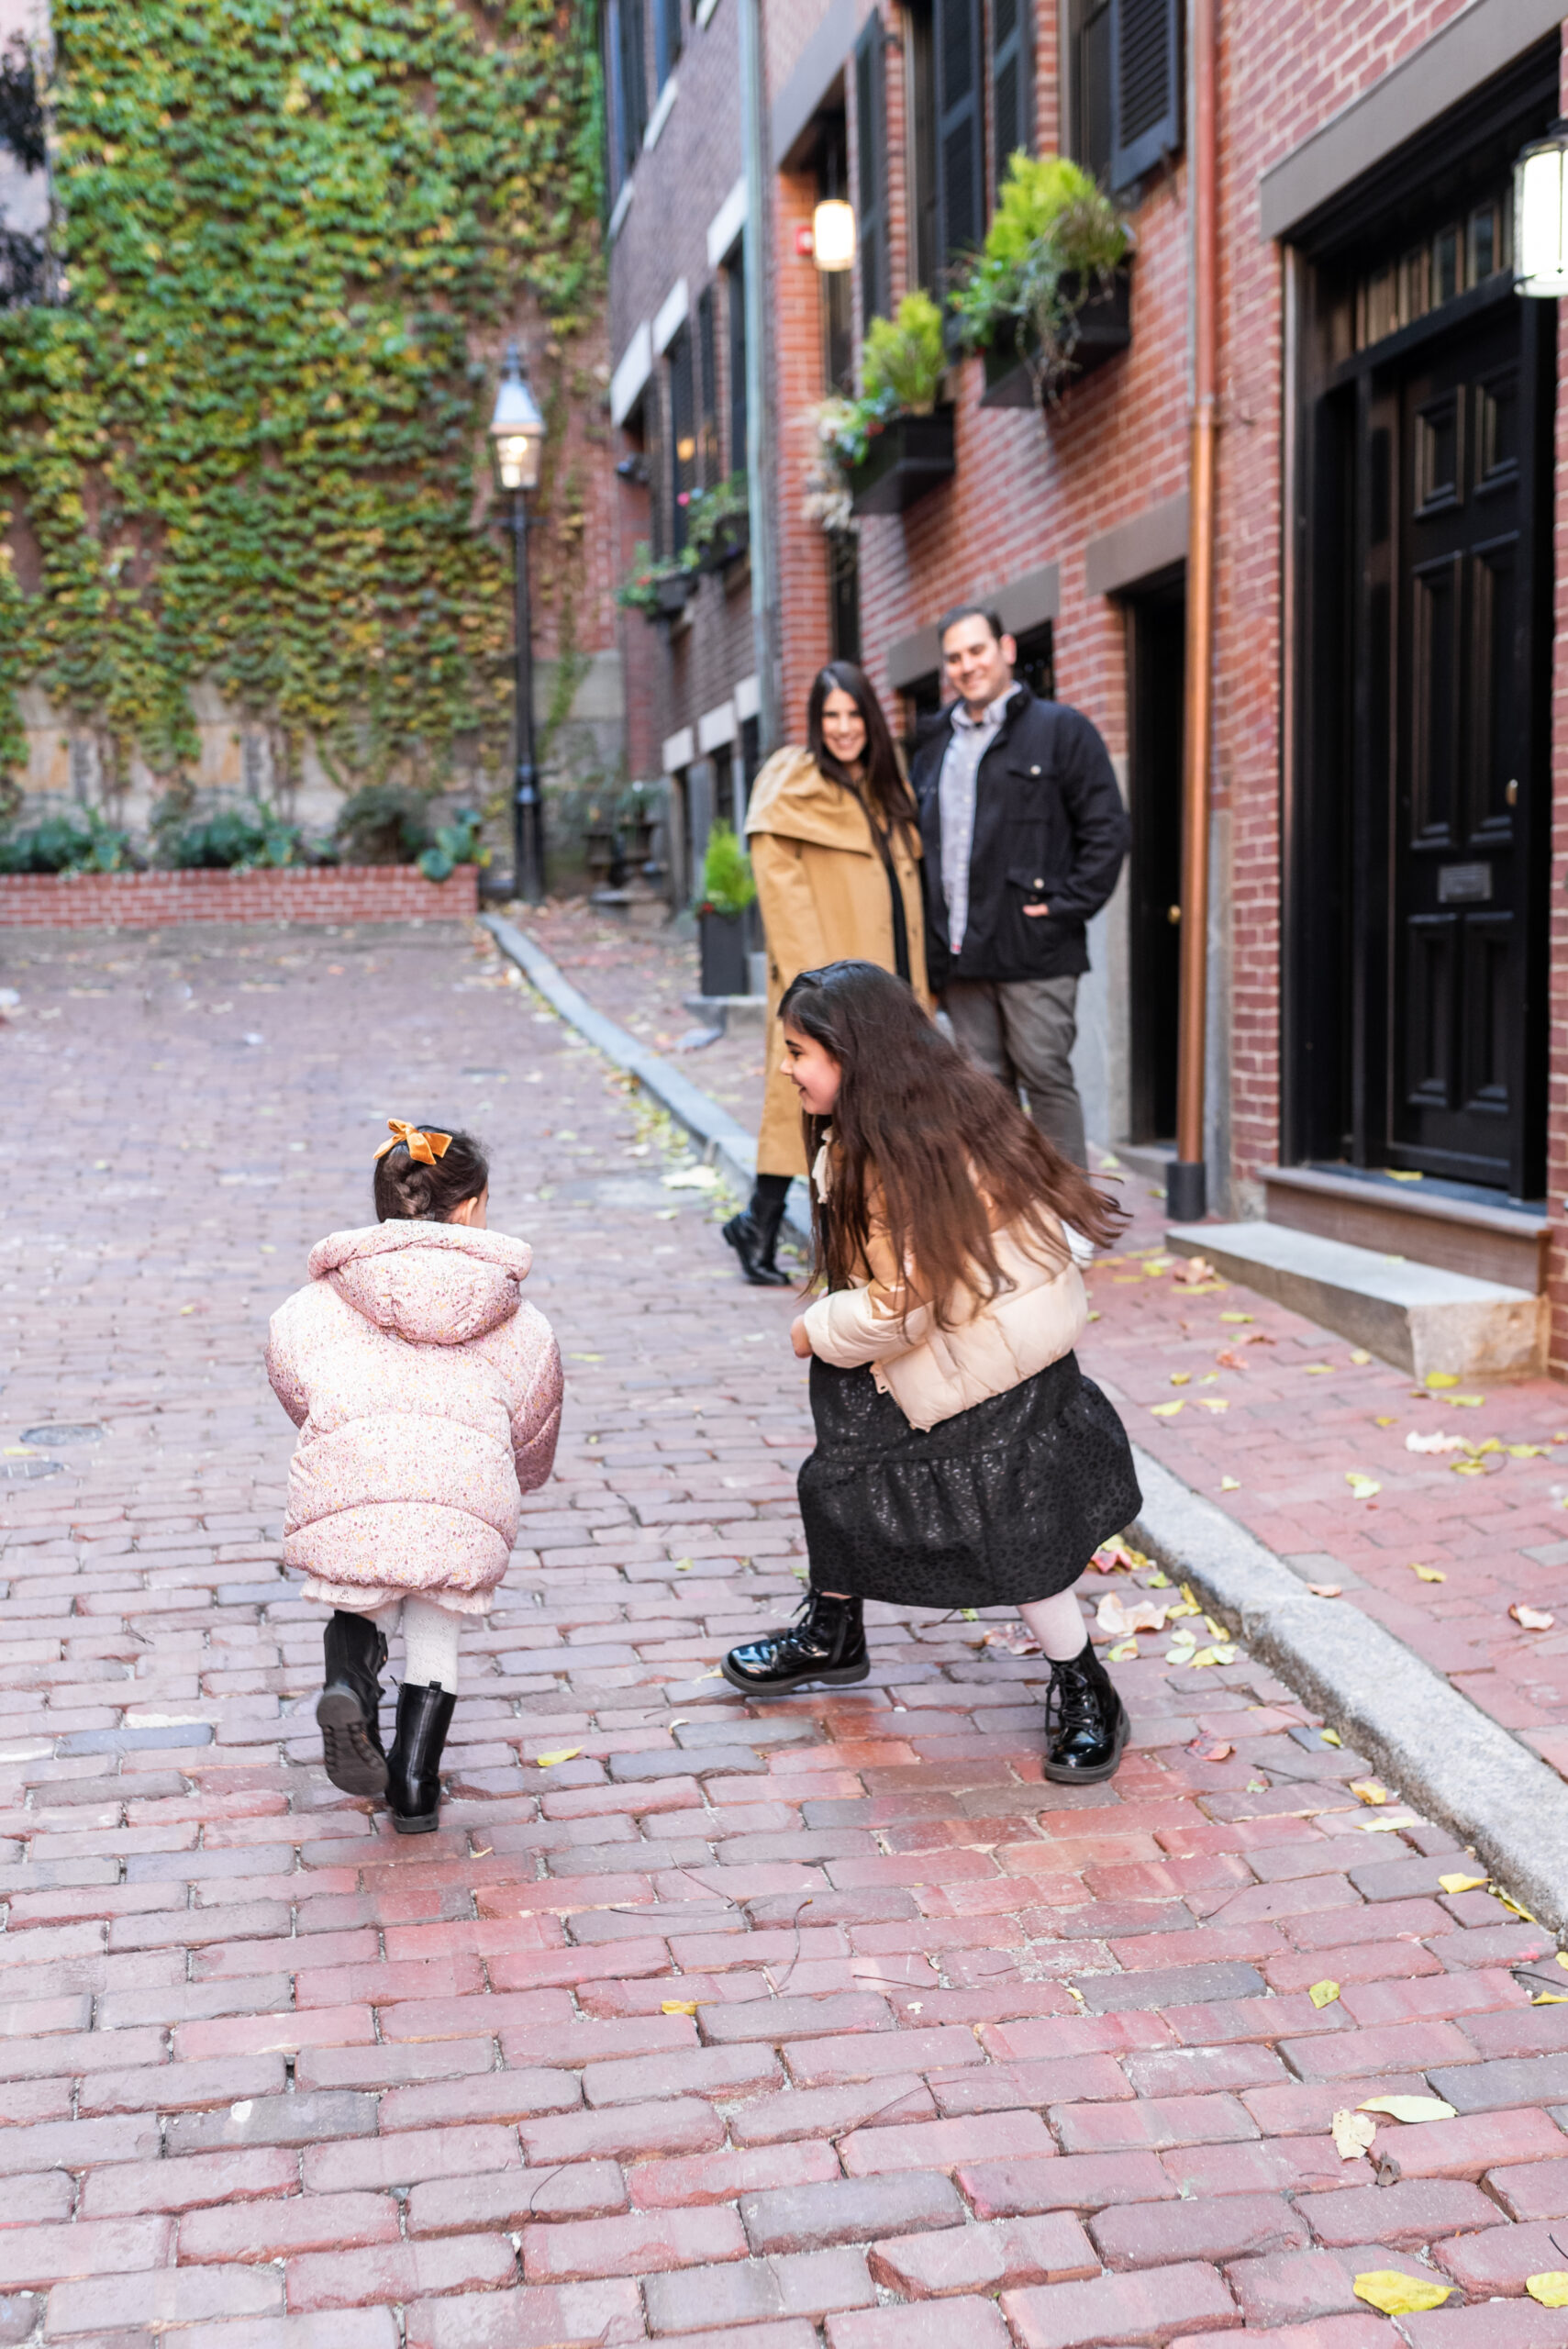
1085	1722
754	1234
347	1708
413	1764
826	1642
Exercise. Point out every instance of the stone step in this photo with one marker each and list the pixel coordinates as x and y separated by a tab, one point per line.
1420	1317
1492	1241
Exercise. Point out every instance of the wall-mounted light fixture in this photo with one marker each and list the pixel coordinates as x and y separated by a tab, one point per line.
1541	230
833	235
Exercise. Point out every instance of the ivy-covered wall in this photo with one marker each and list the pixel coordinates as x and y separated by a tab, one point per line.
243	454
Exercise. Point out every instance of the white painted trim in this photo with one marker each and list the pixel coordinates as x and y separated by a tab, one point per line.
671	315
702	11
619	210
727	223
747	699
717	727
661	115
632	370
679	750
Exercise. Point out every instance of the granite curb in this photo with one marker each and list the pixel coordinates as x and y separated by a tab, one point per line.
1441	1750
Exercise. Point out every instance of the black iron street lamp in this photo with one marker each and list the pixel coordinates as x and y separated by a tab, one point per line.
517	437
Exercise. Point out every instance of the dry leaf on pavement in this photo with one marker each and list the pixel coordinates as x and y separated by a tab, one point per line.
1550	2287
678	2007
1165	1410
1210	1749
1462	1882
1353	2134
1394	2294
1325	1589
1436	1442
1330	1737
1409	2108
1115	1616
549	1761
1191	1270
1229	1359
1369	1790
1532	1619
1429	1573
1323	1994
1363	1486
1181	1378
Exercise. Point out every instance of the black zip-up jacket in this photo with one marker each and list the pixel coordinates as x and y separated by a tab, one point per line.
1050	827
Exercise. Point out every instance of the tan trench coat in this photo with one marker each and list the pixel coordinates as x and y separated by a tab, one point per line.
823	892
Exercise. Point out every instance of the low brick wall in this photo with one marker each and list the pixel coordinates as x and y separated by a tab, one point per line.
157	900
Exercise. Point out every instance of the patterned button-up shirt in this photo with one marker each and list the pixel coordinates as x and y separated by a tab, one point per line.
970	740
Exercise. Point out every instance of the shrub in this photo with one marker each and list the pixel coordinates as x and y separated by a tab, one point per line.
78	842
383	824
233	839
729	885
1054	236
902	358
455	844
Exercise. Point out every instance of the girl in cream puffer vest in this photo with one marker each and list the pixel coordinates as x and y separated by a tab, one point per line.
428	1396
963	1459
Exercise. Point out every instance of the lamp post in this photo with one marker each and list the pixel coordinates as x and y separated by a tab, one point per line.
516	438
1541	233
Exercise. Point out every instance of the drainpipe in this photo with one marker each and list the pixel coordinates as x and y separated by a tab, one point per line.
758	417
1187	1196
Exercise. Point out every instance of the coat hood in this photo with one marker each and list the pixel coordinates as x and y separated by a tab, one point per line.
434	1284
794	799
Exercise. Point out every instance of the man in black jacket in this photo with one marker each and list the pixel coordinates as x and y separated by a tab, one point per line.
1024	832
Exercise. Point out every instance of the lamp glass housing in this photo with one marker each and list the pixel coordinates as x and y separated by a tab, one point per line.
1541	248
516	429
833	235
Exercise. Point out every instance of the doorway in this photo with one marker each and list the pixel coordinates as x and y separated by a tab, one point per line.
1157	631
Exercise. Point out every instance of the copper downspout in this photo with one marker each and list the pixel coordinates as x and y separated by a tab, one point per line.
1187	1194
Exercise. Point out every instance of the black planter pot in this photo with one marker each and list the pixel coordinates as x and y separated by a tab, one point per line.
910	455
729	545
1105	328
674	593
724	940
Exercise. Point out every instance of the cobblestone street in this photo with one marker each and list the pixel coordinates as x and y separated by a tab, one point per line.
822	2022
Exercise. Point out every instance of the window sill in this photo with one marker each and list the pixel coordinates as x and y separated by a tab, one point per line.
661	115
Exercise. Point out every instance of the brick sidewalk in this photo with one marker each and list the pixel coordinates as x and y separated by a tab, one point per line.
277	2081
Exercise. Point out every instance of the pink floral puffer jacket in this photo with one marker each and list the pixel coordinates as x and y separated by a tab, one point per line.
428	1396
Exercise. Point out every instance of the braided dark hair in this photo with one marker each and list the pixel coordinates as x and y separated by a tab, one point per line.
409	1190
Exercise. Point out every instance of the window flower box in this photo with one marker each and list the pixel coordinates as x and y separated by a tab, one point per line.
1104	329
907	457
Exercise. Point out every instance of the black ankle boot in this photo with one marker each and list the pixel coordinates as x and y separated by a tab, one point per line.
413	1766
347	1710
754	1235
1085	1722
826	1642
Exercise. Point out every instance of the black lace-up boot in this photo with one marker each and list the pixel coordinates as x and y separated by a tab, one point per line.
754	1235
347	1710
413	1766
826	1642
1085	1722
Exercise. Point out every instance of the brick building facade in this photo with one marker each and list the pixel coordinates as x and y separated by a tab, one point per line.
1385	947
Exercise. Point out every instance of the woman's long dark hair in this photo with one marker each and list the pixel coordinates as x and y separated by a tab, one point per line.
938	1137
882	787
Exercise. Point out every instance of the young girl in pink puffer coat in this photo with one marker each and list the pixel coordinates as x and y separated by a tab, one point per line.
428	1396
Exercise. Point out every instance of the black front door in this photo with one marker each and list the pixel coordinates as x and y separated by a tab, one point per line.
1157	627
1462	752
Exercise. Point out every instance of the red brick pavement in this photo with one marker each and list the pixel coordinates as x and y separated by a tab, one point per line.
275	2080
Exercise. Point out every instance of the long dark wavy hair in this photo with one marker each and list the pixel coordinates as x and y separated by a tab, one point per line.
940	1141
886	794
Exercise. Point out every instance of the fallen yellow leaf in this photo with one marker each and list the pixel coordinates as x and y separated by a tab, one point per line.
1429	1573
1360	1356
1549	1999
1166	1411
1214	1402
1229	1485
1509	1902
1124	1651
1386	1423
1528	1451
1369	1790
1319	1369
1532	1619
1216	1630
1353	2134
678	2007
1462	1882
1236	1317
1550	2287
1409	2108
1441	1378
549	1761
1213	1656
1323	1994
1330	1737
1362	1485
1393	2294
1325	1589
1181	1378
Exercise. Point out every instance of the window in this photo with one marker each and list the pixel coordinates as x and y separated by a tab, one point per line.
653	470
1126	61
871	142
666	38
1035	665
1010	79
920	166
709	464
838	289
683	436
961	131
735	278
631	82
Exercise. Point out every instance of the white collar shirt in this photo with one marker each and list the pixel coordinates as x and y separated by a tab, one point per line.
967	745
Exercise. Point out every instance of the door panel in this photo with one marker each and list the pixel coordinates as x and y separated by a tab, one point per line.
1460	749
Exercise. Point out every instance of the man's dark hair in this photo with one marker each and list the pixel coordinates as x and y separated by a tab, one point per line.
970	612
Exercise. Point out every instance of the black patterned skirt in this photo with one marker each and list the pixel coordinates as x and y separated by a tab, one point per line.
1005	1502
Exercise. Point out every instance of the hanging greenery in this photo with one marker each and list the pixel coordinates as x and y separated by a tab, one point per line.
245	444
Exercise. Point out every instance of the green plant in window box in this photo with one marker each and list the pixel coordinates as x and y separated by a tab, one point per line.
902	362
1055	244
718	523
643	588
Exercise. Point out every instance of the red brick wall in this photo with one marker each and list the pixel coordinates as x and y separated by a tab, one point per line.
152	900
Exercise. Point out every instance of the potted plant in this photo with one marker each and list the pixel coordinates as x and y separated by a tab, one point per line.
880	451
1047	299
658	590
723	917
718	524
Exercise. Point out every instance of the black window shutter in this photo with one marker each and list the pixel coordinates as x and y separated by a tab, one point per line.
735	271
707	389
870	172
1146	86
633	83
961	132
666	38
682	437
1011	76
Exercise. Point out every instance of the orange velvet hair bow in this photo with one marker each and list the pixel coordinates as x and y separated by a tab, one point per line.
426	1146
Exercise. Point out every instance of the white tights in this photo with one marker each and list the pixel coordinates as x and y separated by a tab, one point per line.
429	1639
1057	1624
